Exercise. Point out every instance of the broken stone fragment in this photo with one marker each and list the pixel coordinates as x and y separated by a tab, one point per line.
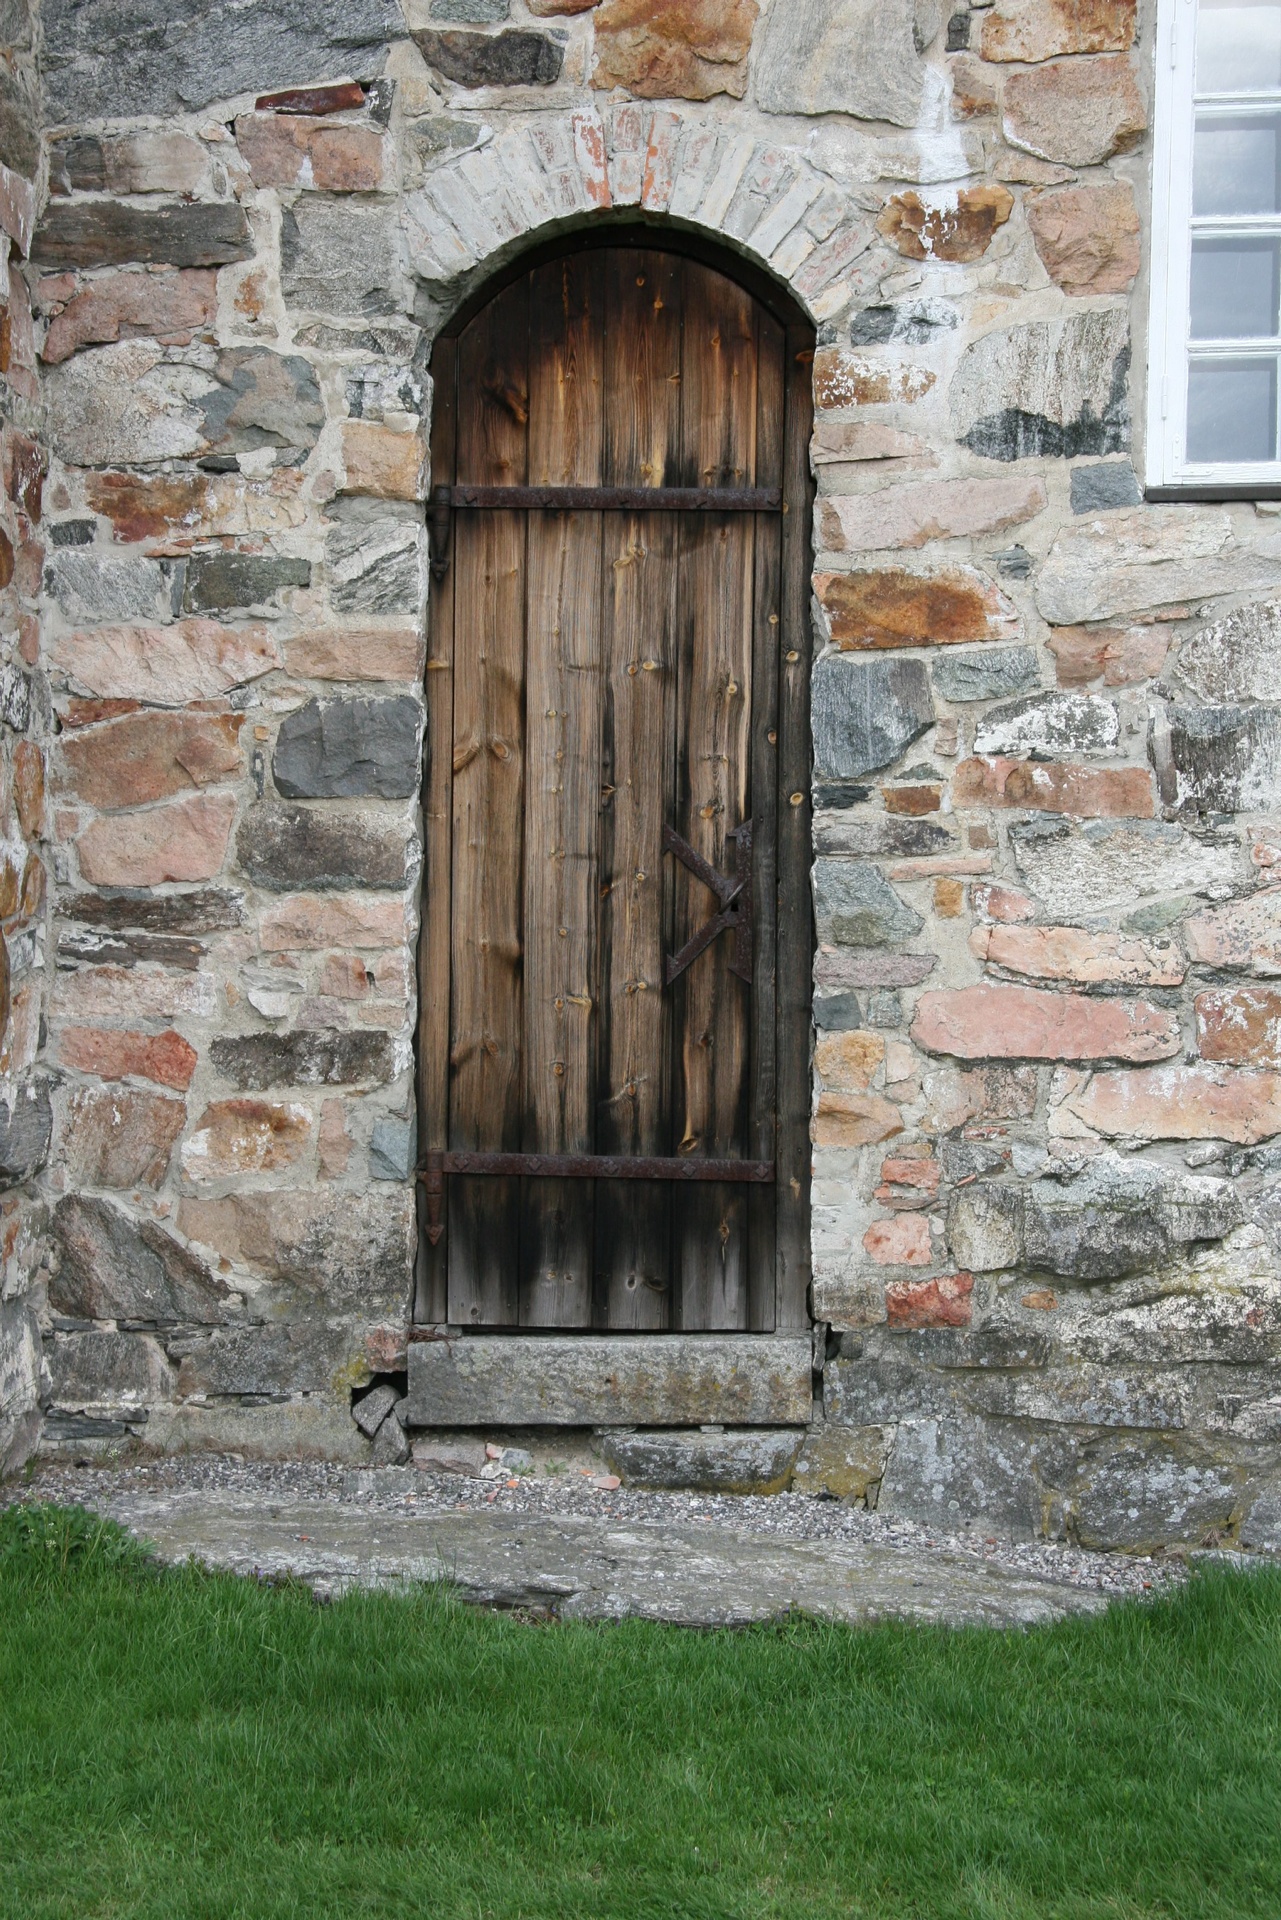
855	906
736	1460
373	1407
1053	387
514	59
1087	239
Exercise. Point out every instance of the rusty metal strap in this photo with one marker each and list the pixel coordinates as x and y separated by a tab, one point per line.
620	499
593	1166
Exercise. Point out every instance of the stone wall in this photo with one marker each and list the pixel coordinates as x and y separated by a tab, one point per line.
25	722
1047	749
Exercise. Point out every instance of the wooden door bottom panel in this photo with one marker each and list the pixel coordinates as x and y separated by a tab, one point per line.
588	1380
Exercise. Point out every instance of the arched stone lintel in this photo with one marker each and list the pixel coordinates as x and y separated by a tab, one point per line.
544	177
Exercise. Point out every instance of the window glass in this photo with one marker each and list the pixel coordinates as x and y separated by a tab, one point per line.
1236	164
1236	289
1238	46
1232	410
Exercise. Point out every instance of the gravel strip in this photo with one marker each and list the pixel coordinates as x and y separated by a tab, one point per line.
404	1490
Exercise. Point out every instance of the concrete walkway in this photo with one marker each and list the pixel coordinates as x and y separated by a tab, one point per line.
580	1568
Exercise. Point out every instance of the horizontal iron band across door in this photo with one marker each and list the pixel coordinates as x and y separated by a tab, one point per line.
619	499
592	1166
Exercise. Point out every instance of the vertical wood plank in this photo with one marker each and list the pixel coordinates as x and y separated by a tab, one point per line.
761	1201
486	1092
642	448
431	1294
562	794
711	1006
795	846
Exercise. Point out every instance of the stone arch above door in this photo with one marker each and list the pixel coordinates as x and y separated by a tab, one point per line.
763	201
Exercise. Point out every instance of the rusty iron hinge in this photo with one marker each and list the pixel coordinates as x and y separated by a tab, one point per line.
735	903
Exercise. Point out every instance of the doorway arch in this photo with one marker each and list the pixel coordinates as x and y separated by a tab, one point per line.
616	951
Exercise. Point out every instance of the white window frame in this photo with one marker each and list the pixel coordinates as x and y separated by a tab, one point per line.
1167	468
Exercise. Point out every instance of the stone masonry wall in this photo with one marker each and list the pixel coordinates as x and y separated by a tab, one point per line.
1047	1198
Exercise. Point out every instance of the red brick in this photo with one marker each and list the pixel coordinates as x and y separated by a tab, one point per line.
1183	1103
186	840
1013	1023
1090	959
944	1302
1088	793
908	1183
291	150
1241	1025
114	1054
310	920
903	1241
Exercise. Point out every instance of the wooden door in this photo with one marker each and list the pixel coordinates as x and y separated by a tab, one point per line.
617	691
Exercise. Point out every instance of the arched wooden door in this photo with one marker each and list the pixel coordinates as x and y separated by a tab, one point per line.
616	948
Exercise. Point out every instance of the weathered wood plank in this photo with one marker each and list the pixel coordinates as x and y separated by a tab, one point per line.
431	1279
486	1091
795	844
562	789
633	1257
657	1380
710	1004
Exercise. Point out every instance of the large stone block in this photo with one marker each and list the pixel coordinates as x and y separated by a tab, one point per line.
149	756
735	1461
1088	238
1049	723
284	848
1087	870
1235	658
1032	30
169	307
89	586
108	59
20	1385
1089	959
26	1127
111	233
668	1380
374	556
1183	1103
1009	1023
909	516
216	581
127	163
164	666
114	1053
203	910
193	506
337	749
844	1462
956	224
1053	387
183	840
1241	933
338	256
120	1139
311	1057
274	1361
988	673
864	713
855	906
234	1137
297	150
860	57
350	1252
1079	112
682	49
932	607
103	1371
19	123
1128	562
109	1267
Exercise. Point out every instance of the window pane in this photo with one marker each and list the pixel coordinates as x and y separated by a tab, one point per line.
1232	410
1238	46
1236	289
1235	164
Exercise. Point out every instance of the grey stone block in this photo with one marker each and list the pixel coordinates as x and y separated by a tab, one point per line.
1100	489
391	1444
670	1380
218	580
338	256
111	233
108	1267
392	1149
72	533
856	907
102	1370
311	1057
1052	387
283	848
857	57
837	1012
121	58
263	399
949	1472
272	1361
914	323
203	910
373	551
1049	723
26	1126
372	1409
474	13
338	749
19	123
514	59
864	713
1235	658
95	587
984	673
1224	759
449	1453
734	1461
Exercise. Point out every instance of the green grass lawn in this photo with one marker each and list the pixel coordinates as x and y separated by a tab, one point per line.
185	1744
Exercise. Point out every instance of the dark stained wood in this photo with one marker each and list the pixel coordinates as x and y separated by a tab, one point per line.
609	658
795	847
562	792
642	442
486	1081
711	1007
